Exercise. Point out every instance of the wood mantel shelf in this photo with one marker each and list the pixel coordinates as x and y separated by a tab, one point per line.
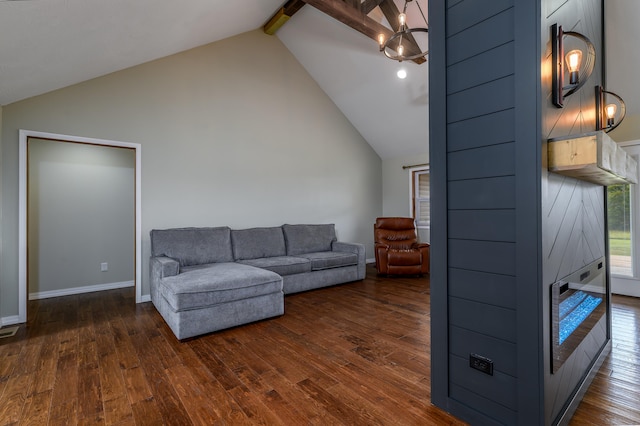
593	157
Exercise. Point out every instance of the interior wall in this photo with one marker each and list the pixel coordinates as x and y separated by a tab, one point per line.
81	202
396	187
233	133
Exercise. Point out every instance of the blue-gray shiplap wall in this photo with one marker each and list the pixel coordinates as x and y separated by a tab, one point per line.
488	192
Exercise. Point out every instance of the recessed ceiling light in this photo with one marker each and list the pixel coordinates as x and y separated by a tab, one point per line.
402	73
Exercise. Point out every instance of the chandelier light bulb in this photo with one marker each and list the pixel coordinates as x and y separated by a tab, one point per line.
574	59
400	50
381	40
402	19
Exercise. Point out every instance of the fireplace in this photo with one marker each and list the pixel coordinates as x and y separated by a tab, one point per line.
578	302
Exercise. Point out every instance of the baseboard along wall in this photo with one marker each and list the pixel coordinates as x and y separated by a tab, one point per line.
79	290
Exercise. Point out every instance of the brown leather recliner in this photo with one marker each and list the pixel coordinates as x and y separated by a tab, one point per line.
397	248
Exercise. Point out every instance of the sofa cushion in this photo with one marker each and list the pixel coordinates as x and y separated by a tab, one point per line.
257	243
206	285
281	265
302	239
330	259
193	246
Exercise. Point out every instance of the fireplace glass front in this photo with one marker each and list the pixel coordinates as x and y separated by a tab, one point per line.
578	302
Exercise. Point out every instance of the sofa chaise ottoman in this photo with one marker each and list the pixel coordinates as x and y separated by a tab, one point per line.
208	279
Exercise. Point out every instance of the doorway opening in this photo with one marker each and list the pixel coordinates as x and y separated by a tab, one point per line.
24	138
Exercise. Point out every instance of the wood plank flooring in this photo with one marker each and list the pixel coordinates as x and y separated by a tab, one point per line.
355	354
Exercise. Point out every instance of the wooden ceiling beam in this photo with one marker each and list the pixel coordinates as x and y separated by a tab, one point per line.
369	5
282	16
352	13
343	12
351	17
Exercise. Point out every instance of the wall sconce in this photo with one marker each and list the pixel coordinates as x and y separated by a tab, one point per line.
609	115
579	70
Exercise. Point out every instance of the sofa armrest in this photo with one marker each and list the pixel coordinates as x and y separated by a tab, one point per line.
166	266
353	248
159	268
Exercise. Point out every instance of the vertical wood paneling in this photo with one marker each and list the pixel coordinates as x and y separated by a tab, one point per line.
480	100
502	415
497	160
480	201
474	12
483	287
439	202
500	388
487	225
482	256
490	129
485	193
479	38
492	65
483	318
464	342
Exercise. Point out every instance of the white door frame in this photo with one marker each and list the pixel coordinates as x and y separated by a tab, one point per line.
22	208
620	284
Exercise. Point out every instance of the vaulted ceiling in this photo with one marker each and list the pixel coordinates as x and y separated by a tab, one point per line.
50	44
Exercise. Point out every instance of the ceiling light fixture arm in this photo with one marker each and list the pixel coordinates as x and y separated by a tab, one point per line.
402	41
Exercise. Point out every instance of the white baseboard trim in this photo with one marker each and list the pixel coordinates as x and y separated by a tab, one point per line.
371	260
14	319
79	290
145	298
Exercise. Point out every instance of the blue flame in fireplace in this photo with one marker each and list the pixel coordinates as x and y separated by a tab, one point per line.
573	310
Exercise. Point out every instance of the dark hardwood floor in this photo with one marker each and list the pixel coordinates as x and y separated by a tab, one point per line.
355	354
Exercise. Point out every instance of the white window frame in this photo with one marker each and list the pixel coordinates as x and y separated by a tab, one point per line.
413	182
624	284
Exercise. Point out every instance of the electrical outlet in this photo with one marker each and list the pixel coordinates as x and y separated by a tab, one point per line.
481	363
104	266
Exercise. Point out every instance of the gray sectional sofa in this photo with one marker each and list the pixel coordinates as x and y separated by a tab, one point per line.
208	279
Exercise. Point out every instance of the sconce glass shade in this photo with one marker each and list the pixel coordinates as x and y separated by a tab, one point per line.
574	59
610	112
609	116
579	64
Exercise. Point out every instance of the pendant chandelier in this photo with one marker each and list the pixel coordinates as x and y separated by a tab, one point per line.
402	45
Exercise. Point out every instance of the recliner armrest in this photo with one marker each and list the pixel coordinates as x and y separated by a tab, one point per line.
425	249
420	245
